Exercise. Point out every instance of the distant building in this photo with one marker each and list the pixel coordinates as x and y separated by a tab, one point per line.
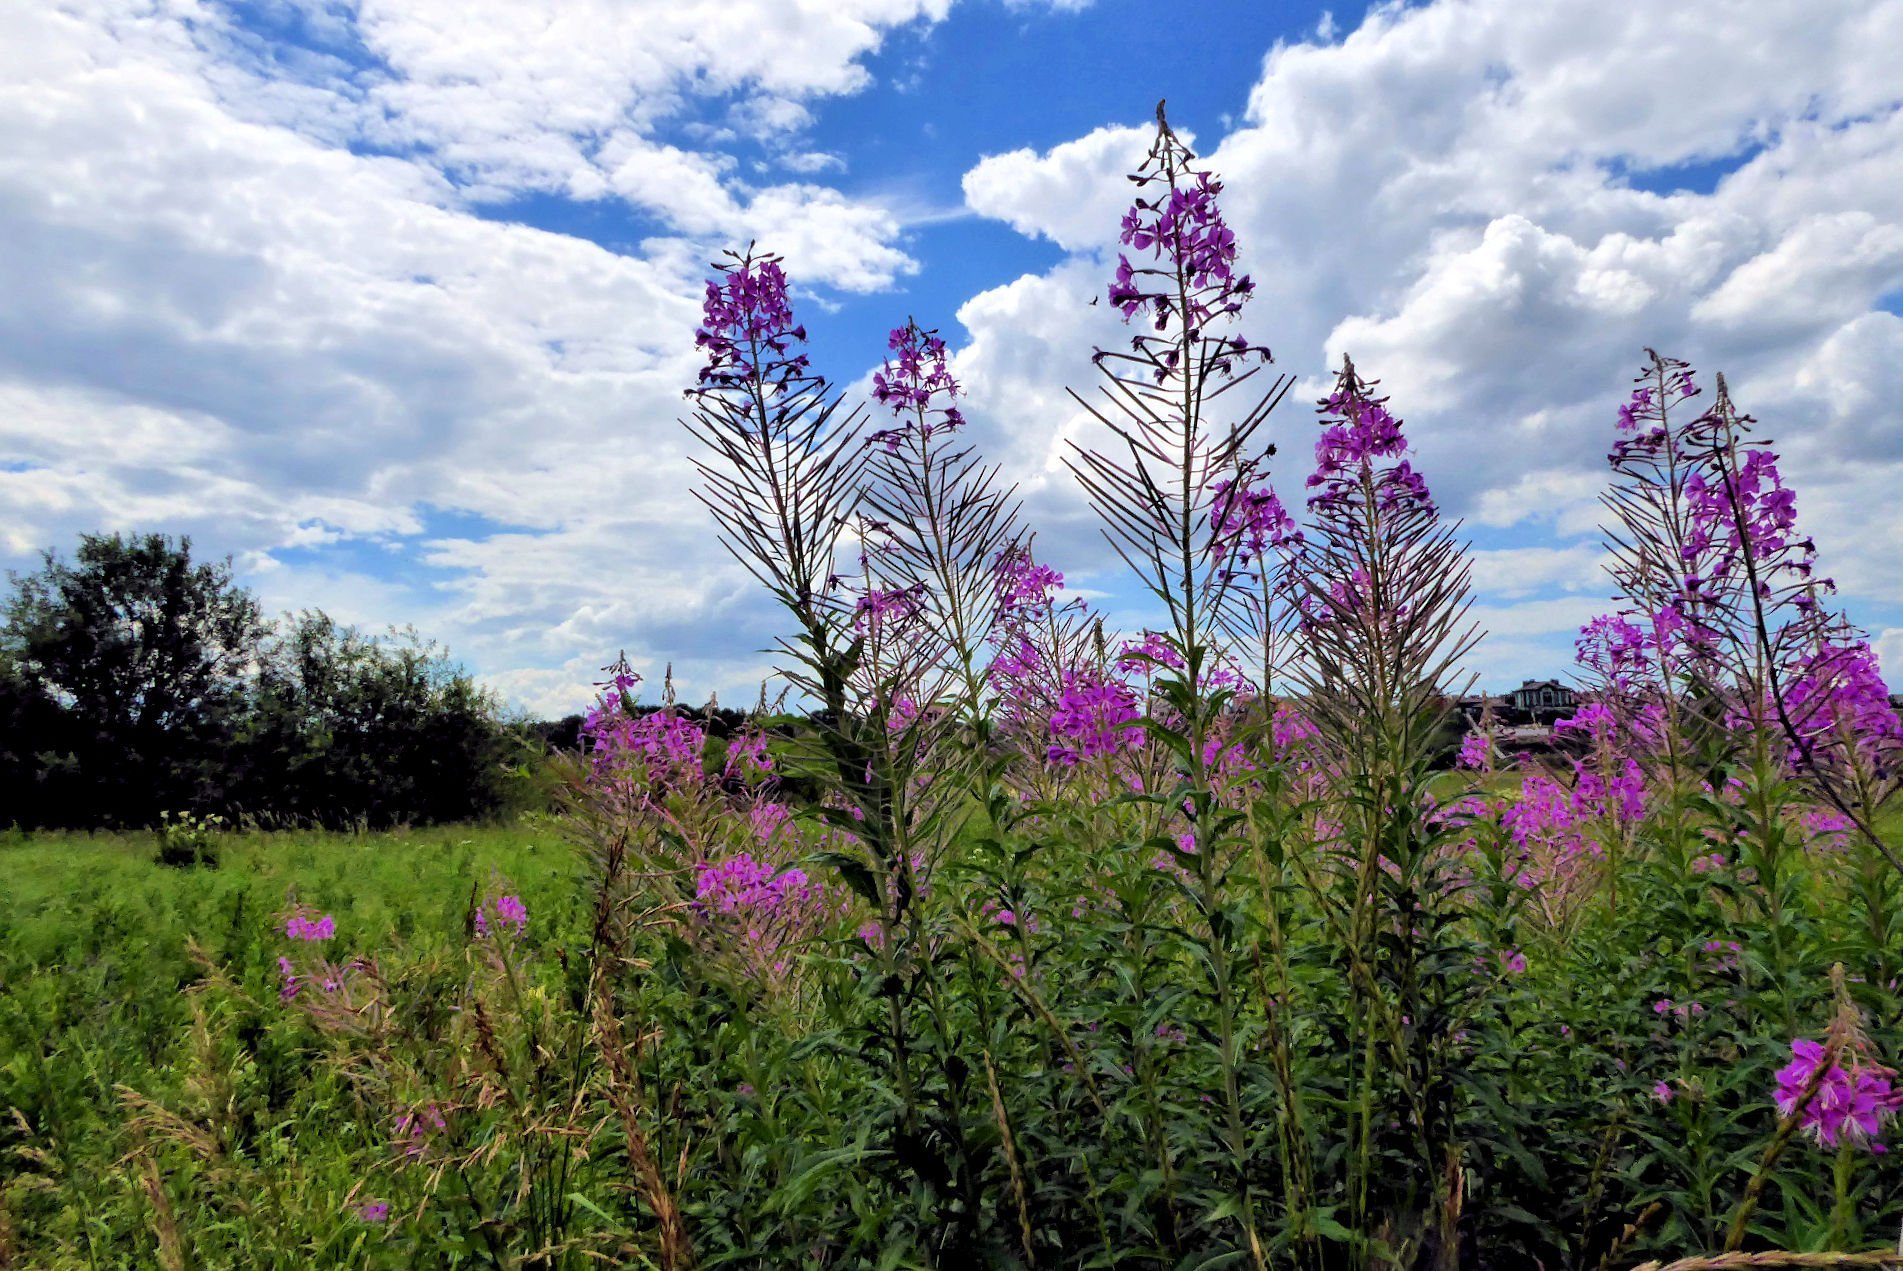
1539	697
1473	707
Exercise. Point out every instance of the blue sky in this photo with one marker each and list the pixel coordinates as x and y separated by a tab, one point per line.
393	300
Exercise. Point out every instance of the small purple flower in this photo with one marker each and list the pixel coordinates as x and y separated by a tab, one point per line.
373	1211
288	978
301	927
501	914
1662	1092
1095	717
1851	1104
415	1128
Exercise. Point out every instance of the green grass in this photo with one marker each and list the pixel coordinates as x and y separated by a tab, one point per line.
65	887
96	962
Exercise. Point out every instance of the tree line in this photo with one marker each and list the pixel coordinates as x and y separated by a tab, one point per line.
135	681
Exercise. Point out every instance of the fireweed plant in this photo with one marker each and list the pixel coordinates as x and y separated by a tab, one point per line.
1026	942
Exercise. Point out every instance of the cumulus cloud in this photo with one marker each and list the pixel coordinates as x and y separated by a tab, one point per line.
251	302
1494	207
1072	194
270	295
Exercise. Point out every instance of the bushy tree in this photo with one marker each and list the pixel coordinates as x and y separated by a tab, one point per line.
136	681
38	770
146	654
347	726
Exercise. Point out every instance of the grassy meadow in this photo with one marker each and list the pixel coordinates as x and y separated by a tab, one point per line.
100	950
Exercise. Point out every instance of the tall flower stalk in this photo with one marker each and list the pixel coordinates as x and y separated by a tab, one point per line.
785	482
1163	490
1379	586
1728	651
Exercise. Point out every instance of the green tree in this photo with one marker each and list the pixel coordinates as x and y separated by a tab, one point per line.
38	770
346	726
147	655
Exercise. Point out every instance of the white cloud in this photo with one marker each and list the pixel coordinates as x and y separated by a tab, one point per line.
1443	194
1074	194
1512	572
1889	648
219	324
1827	271
245	294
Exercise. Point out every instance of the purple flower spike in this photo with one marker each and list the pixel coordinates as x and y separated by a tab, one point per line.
916	383
1853	1104
506	914
747	327
1181	270
1356	431
300	926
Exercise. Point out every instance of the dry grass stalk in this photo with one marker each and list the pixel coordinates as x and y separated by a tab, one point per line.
624	1092
1010	1158
1647	1216
1777	1258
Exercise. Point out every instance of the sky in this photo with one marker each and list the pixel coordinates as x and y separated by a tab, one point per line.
393	301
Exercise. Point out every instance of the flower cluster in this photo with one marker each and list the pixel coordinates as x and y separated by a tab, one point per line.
415	1129
1356	431
1678	1010
1840	706
301	926
1476	752
1034	638
748	759
1554	855
1246	523
743	883
307	927
663	745
1825	829
747	327
1851	1103
1014	667
1023	584
1184	229
499	916
909	382
759	911
1192	280
1735	512
1095	716
1617	650
1143	657
1644	417
879	609
768	821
